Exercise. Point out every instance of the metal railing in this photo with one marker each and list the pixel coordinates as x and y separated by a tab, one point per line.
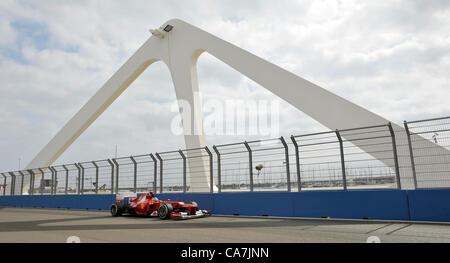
381	156
253	166
334	159
430	162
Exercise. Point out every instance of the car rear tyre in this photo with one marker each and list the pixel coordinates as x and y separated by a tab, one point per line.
164	211
116	210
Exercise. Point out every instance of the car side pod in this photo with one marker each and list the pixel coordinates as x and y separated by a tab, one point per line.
184	215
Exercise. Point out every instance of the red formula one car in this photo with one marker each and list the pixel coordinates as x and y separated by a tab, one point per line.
147	204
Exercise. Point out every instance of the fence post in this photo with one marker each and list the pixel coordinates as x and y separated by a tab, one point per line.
112	175
219	171
82	178
4	184
411	154
160	172
394	150
155	171
11	190
21	182
78	178
56	181
31	190
53	179
117	175
341	147
211	171
41	187
13	178
297	163
135	173
184	170
250	164
288	173
67	179
96	176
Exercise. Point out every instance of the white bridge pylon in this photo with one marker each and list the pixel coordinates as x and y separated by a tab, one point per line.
179	49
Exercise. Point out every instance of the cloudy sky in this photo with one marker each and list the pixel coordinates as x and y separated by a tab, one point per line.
392	57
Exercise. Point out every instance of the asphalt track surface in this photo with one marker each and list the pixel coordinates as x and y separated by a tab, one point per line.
53	225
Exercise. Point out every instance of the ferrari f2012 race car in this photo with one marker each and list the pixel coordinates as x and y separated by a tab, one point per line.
149	205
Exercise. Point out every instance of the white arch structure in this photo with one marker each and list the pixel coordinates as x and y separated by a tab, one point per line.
179	49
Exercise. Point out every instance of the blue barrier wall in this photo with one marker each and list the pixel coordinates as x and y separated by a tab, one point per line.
95	202
429	204
355	204
417	205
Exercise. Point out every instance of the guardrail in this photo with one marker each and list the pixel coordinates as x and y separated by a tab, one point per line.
329	160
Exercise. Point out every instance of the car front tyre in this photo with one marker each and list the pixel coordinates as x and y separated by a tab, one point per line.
164	211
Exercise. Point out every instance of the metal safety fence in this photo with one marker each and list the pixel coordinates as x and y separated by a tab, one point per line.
429	150
386	156
253	165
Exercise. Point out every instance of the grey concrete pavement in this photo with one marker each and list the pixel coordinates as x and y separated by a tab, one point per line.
51	225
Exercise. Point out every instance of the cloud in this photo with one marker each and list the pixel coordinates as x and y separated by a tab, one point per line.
392	57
